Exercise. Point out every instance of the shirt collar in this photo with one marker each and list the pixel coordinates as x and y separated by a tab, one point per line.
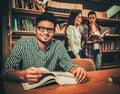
48	45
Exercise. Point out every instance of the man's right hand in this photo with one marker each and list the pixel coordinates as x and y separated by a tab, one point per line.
31	74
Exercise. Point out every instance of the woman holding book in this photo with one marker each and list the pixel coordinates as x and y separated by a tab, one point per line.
74	31
92	46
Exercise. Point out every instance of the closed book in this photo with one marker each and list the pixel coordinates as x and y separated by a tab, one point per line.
114	80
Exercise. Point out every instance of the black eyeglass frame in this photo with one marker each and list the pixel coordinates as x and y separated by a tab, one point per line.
43	29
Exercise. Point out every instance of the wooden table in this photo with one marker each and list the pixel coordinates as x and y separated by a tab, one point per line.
98	84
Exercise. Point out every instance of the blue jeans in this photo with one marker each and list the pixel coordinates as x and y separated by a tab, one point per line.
71	54
80	53
97	59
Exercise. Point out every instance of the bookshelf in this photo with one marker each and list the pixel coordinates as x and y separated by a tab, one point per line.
0	42
111	51
110	47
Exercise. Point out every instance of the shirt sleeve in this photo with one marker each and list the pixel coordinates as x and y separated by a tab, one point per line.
14	60
64	59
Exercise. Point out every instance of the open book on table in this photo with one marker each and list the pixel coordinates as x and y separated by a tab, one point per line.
94	37
62	78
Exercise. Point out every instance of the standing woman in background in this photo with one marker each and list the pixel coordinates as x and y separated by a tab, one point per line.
74	32
94	46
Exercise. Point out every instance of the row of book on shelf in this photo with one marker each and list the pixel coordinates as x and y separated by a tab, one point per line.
54	6
111	45
62	7
20	23
28	4
107	45
27	24
112	29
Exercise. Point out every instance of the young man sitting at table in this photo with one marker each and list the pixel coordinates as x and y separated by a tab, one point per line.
40	51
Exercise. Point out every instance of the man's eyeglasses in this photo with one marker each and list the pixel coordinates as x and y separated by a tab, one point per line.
43	29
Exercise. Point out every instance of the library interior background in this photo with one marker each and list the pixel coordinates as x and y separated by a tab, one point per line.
14	12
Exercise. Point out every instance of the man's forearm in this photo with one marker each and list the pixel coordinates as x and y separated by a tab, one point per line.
15	75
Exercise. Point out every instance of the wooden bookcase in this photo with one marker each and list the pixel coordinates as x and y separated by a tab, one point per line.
0	42
110	47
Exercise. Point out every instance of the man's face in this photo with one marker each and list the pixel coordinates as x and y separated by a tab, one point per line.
44	31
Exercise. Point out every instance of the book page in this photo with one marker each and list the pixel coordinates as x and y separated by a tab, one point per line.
94	37
104	33
62	78
67	74
65	78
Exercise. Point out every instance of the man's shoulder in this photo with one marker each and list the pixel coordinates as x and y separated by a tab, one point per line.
56	41
26	40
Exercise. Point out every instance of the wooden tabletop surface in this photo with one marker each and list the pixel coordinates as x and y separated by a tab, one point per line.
98	84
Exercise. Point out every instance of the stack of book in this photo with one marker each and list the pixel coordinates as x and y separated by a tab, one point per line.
62	7
102	15
28	4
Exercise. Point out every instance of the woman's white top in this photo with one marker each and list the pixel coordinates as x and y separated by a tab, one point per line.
74	38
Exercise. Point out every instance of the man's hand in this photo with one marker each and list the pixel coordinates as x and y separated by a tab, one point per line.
32	74
29	75
80	74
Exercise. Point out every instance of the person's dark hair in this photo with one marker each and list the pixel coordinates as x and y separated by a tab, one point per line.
89	27
46	16
72	17
92	12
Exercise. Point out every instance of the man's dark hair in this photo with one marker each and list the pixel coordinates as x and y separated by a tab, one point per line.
92	12
46	16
